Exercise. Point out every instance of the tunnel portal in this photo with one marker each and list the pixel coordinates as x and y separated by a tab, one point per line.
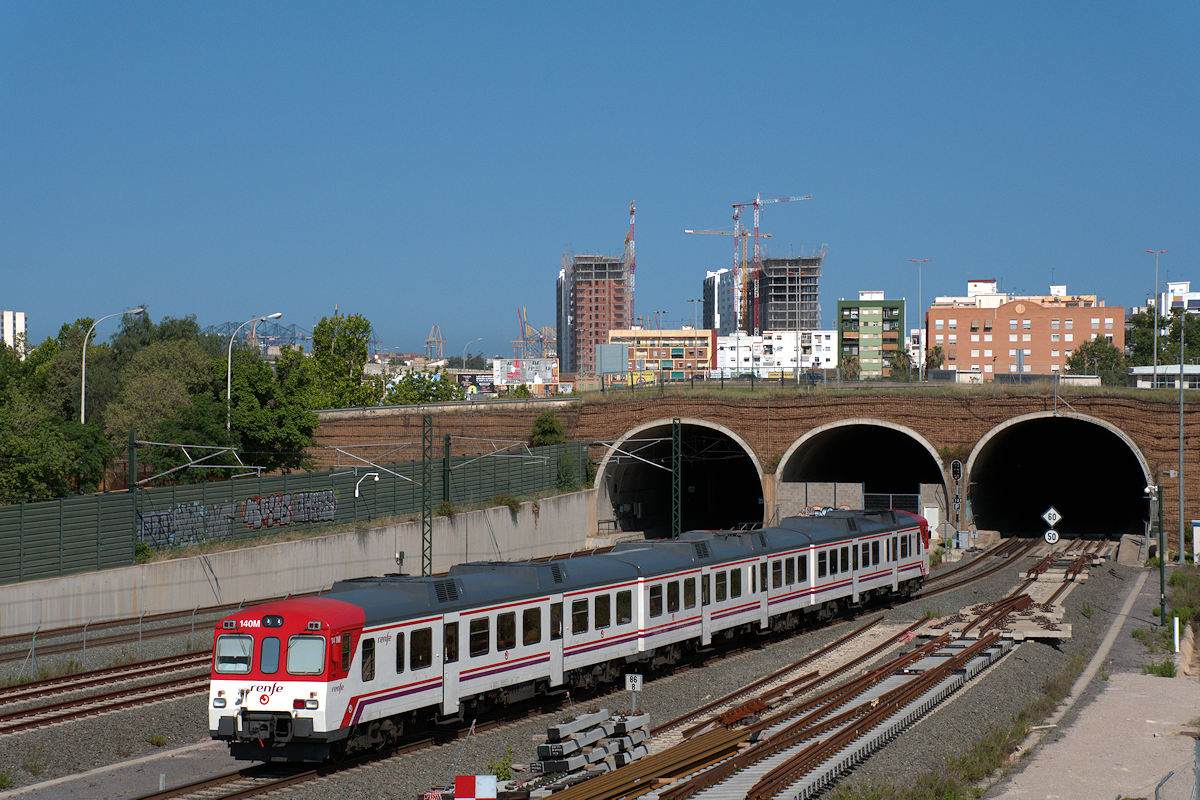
886	461
1087	472
720	486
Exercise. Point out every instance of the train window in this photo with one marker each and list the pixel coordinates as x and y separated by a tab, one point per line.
234	651
762	577
306	654
689	593
531	626
846	559
478	635
735	582
506	631
624	607
579	616
875	552
904	547
450	642
268	656
603	609
345	652
892	552
821	564
555	621
789	570
672	597
656	600
368	659
802	568
853	557
704	595
720	587
866	554
399	652
776	574
420	649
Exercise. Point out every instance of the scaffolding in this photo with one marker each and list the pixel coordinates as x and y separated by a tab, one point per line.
789	291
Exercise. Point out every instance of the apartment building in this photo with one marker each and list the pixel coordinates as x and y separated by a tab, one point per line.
869	329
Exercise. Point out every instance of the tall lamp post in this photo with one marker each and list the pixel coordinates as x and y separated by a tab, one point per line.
229	365
465	346
83	363
693	301
1182	326
1154	380
921	313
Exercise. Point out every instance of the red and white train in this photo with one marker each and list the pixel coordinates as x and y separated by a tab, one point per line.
313	678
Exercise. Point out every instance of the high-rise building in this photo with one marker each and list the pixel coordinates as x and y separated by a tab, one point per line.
594	296
788	294
720	296
12	329
869	330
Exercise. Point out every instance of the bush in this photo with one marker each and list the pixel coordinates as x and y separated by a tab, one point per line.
566	478
156	739
444	509
502	767
142	552
1164	670
514	505
547	429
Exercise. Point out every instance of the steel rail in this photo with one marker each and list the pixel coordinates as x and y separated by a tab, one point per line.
86	680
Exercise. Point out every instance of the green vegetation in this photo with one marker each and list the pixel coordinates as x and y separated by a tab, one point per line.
444	509
423	387
1163	669
156	739
6	778
1087	610
935	557
514	505
547	429
142	552
501	767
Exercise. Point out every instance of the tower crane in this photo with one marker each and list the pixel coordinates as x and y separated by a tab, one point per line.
739	265
757	204
630	258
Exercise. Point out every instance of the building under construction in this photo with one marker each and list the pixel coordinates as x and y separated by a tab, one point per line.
787	293
594	296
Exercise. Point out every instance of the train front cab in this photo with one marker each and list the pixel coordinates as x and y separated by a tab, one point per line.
271	671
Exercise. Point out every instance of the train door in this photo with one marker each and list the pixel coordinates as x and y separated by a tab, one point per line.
894	559
554	621
451	649
705	607
856	566
764	603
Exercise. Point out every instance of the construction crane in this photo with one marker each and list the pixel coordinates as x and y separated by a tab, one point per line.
434	344
739	266
533	342
757	204
630	257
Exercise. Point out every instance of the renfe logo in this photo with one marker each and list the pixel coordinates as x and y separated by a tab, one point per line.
265	688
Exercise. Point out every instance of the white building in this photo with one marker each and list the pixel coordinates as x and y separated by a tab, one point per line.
12	329
775	354
1179	295
722	298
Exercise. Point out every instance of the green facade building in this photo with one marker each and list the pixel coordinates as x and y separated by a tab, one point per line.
870	334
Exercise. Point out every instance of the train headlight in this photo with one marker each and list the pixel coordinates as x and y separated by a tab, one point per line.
310	703
218	702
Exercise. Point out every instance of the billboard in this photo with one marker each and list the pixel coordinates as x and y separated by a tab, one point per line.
478	383
514	371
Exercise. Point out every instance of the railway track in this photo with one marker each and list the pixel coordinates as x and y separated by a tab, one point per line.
22	692
44	714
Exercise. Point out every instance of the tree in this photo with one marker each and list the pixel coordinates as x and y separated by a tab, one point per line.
423	387
272	421
159	380
43	456
934	358
547	429
901	366
340	350
849	367
1098	357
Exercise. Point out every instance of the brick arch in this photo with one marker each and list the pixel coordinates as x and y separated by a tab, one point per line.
1108	426
601	498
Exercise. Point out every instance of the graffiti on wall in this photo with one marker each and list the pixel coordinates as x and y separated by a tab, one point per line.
194	523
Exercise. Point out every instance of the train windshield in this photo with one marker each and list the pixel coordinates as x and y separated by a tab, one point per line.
234	651
306	655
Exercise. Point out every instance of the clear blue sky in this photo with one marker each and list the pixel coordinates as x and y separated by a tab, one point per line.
430	163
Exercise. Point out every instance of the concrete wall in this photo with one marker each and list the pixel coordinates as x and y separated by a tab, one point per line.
791	497
558	525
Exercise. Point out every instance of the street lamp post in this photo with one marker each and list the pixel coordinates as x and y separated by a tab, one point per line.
1182	326
83	363
1154	380
229	365
465	346
921	313
693	301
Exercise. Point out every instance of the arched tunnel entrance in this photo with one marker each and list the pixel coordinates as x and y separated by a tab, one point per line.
884	466
1089	473
720	484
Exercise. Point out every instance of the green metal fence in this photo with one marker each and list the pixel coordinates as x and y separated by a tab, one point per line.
78	534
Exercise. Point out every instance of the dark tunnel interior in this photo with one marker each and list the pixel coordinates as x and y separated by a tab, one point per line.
881	459
1086	472
720	487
